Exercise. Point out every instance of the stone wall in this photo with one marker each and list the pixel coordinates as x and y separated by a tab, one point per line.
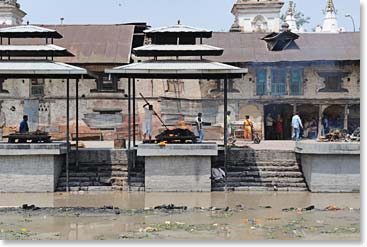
331	167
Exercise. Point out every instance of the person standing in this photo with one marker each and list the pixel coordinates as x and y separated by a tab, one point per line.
2	123
199	124
269	121
229	128
248	126
325	125
148	122
279	127
297	125
23	127
313	129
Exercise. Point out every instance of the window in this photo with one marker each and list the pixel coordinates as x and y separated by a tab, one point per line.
296	82
2	90
175	86
333	82
37	88
106	83
220	87
261	82
278	82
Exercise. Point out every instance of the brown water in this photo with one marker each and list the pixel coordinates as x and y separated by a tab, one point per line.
252	216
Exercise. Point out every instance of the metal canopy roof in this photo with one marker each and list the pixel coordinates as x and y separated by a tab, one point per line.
179	29
39	69
178	50
34	51
185	69
29	31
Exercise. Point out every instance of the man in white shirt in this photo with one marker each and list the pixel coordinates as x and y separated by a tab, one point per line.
148	121
297	125
199	125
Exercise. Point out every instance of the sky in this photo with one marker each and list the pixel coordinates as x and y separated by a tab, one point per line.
210	14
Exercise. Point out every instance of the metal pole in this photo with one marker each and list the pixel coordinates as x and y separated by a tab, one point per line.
67	132
225	130
129	123
134	123
351	17
77	122
134	112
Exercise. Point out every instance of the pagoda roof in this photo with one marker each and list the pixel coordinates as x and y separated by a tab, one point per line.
184	69
34	51
179	29
29	31
178	50
39	68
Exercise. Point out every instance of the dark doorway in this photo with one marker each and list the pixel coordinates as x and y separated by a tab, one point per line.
335	115
285	112
310	119
354	118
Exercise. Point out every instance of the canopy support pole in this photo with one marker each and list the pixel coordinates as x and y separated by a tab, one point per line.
77	122
134	122
129	123
67	132
225	131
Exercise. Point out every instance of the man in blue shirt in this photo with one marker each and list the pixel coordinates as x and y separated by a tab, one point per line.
23	128
297	125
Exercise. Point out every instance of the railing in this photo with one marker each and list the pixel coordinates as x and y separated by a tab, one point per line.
278	89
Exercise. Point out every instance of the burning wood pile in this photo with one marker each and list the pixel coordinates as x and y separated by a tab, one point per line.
177	136
35	137
341	135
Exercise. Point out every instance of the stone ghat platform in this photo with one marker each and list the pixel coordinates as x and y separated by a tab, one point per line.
330	167
178	167
30	167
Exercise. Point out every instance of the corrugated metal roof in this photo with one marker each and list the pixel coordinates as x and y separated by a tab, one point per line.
248	47
178	48
34	51
177	67
179	28
92	44
31	48
38	67
28	31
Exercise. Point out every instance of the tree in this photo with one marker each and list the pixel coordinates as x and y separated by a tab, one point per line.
300	18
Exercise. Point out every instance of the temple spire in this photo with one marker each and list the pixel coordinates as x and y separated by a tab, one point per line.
330	24
290	19
330	7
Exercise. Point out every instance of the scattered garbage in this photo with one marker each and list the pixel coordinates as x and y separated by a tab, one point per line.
332	208
170	207
267	207
292	209
272	218
218	174
29	207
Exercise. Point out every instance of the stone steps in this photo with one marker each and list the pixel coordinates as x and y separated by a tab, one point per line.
261	170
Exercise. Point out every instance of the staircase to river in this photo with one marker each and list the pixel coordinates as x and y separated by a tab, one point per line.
100	170
260	170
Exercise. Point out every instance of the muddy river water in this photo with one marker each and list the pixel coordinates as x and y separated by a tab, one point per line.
204	216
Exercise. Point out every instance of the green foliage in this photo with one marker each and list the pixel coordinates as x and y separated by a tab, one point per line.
301	19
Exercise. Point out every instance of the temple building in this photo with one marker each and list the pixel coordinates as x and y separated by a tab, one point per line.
257	15
10	13
316	74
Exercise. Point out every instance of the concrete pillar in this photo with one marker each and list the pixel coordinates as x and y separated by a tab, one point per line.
346	116
268	80
294	108
320	120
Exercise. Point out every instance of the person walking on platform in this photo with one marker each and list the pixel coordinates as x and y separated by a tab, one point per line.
297	126
248	127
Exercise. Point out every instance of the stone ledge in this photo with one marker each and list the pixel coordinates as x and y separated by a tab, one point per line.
178	150
328	148
16	149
